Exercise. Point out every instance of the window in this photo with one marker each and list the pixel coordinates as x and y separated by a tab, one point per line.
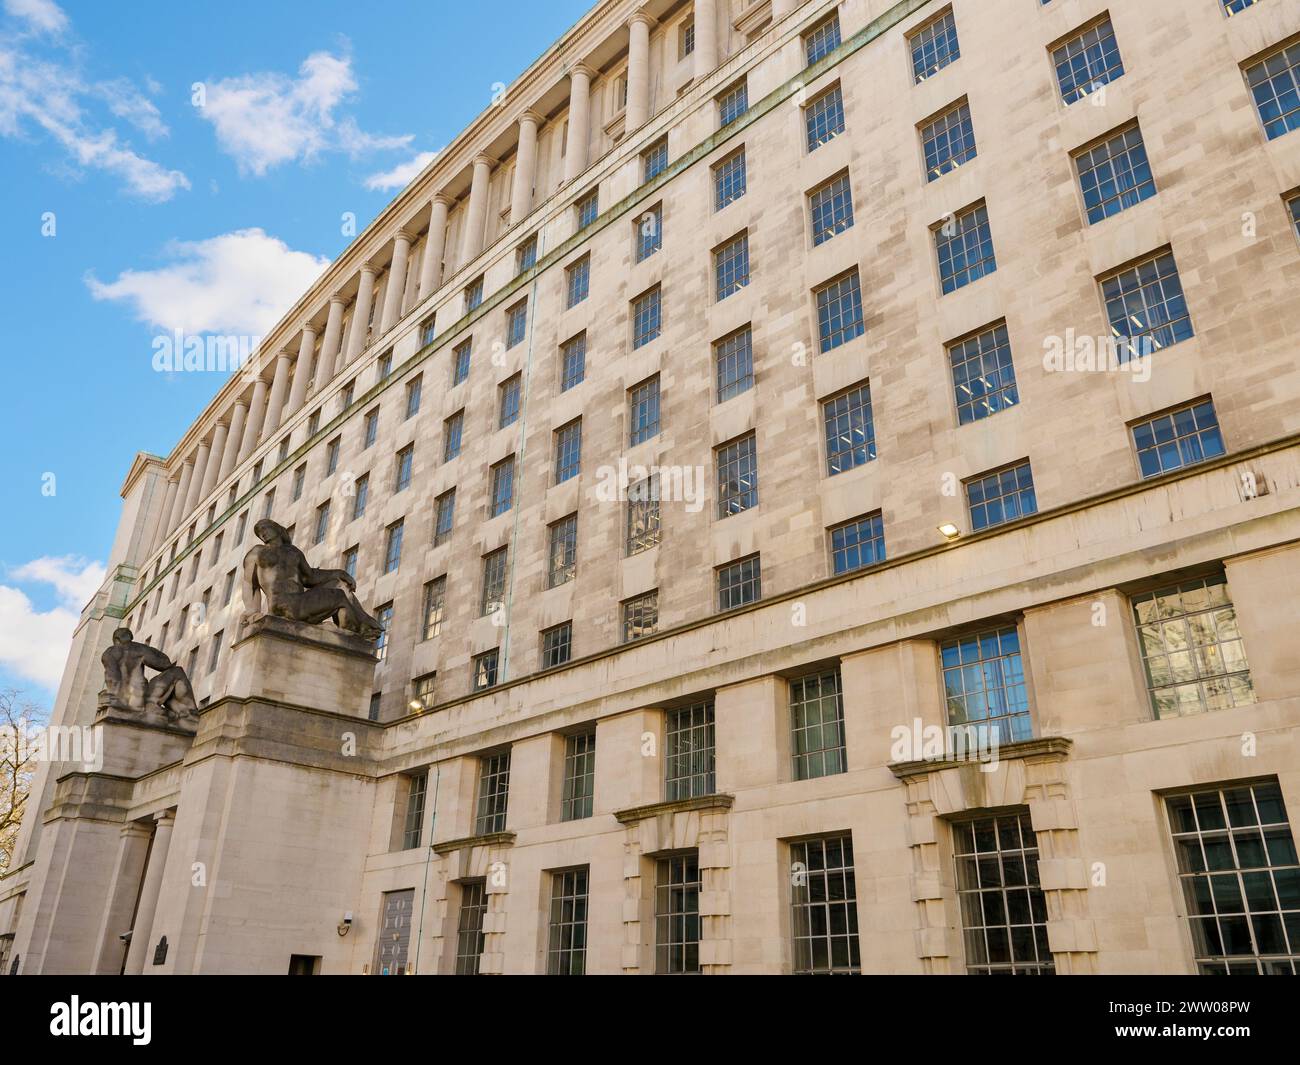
299	479
824	118
384	615
229	591
557	645
413	389
566	949
685	39
964	246
733	103
858	543
1001	496
579	776
1232	7
573	362
360	495
469	927
422	688
1004	914
427	331
587	209
516	323
452	430
1192	648
413	823
689	745
1182	437
821	40
654	160
503	487
494	582
577	282
563	552
345	397
268	503
731	266
405	460
642	515
281	455
1237	865
215	655
643	410
313	427
737	465
824	906
508	401
444	517
817	726
473	294
372	429
493	793
568	450
677	914
435	595
640	616
948	140
350	561
1293	208
850	430
1087	61
729	180
1114	174
934	46
984	683
393	547
739	583
839	310
831	209
322	523
384	367
331	458
460	366
1146	307
983	375
526	255
649	232
733	357
646	317
485	670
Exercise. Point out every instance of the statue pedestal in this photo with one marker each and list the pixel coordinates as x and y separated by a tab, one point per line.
135	744
316	666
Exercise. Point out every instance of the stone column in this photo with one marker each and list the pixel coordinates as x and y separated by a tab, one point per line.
781	8
396	281
182	493
706	37
638	71
137	956
575	147
331	346
521	195
279	386
126	883
253	427
234	438
165	517
476	213
361	313
301	370
196	481
219	435
434	246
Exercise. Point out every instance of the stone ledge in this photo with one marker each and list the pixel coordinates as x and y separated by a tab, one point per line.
488	839
1057	747
633	814
328	636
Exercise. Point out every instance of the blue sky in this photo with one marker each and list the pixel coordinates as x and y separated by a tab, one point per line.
128	211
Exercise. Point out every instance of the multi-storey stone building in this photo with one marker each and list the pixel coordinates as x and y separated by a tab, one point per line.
753	392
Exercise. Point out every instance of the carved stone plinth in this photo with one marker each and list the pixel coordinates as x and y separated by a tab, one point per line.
134	744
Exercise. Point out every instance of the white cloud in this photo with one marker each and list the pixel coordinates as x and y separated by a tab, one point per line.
45	16
126	101
33	642
402	174
239	283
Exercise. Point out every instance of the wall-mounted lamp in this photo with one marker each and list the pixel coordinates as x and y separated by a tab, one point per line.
345	925
949	531
415	706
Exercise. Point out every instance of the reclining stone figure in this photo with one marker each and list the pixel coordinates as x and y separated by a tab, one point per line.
126	688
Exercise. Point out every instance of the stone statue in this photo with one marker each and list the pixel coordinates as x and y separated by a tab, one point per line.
125	687
276	574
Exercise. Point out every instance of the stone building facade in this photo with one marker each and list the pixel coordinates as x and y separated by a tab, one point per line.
755	402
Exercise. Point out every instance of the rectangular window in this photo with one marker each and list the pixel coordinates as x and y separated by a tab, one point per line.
1192	649
649	232
526	255
503	487
427	331
240	528
268	503
557	645
349	391
1236	860
643	411
640	616
654	160
473	294
731	266
360	495
460	365
646	317
824	118
508	401
393	547
384	615
948	140
405	463
733	103
822	39
577	282
299	479
1001	496
850	430
215	656
350	557
228	592
566	949
422	689
444	517
587	209
839	310
469	927
413	389
1146	307
576	802
313	427
452	431
1003	911
689	742
739	583
516	323
964	247
413	823
831	209
322	523
983	375
568	451
729	180
563	551
573	362
737	465
493	793
677	914
984	683
642	515
485	670
858	543
435	597
685	39
494	582
331	456
1293	210
934	46
384	367
824	907
1087	60
733	358
1114	174
817	726
372	429
1182	437
1232	7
